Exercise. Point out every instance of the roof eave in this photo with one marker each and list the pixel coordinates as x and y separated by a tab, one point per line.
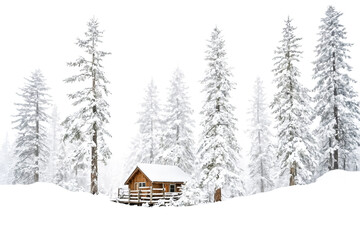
169	181
133	173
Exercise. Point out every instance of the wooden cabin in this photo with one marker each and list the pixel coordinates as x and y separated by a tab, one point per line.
149	183
158	176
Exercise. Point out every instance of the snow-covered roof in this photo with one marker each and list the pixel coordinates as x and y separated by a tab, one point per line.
163	173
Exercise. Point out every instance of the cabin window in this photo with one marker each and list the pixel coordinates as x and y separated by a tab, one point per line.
172	187
139	185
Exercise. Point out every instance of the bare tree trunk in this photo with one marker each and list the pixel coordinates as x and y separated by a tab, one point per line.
262	185
330	157
293	164
292	174
94	162
217	195
94	148
336	126
37	150
336	159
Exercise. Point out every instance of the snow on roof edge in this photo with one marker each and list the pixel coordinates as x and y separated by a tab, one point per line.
163	173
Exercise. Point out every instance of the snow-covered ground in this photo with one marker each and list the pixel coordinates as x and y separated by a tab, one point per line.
328	209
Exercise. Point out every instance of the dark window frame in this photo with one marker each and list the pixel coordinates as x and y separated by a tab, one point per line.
174	190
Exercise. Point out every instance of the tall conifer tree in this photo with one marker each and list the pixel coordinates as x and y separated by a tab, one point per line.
150	125
219	150
178	148
335	98
5	161
145	147
31	147
296	147
262	157
86	126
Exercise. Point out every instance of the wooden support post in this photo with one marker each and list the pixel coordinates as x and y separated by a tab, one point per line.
151	194
139	196
118	193
129	195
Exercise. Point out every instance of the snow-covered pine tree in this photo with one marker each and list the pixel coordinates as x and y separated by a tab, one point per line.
134	157
86	126
54	141
219	150
31	147
178	147
296	147
62	167
192	193
5	161
262	156
336	99
147	143
67	172
150	126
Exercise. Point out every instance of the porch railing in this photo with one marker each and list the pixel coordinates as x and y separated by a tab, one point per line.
147	195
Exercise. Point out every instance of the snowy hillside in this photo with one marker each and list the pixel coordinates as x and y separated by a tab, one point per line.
328	209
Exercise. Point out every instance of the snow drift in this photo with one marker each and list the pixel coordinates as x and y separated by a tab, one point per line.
327	209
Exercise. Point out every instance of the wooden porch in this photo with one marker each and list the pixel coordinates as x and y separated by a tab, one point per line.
147	195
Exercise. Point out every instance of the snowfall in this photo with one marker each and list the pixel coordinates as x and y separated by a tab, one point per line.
327	209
